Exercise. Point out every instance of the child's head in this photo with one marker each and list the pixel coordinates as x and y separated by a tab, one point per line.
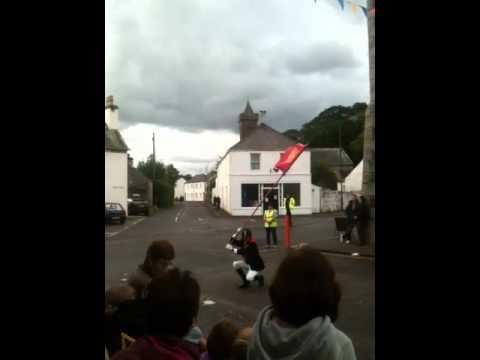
240	345
221	339
160	251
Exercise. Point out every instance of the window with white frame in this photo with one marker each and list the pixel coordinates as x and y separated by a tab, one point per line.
254	161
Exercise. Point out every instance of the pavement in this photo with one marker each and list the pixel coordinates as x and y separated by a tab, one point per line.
199	234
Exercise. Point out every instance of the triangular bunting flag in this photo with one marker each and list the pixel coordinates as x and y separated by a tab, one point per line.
354	7
365	11
341	2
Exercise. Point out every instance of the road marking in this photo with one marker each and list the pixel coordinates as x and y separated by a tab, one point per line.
112	234
178	215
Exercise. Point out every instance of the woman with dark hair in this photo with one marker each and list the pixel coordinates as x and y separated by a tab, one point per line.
172	304
159	257
299	324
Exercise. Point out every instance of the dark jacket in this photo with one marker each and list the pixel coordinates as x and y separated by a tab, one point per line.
352	212
155	348
251	255
130	318
363	212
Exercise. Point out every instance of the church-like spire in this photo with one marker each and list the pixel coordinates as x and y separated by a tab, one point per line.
248	109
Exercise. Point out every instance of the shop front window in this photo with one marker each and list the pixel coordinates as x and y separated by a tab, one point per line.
293	190
249	195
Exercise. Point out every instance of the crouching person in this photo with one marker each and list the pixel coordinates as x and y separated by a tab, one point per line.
249	269
172	303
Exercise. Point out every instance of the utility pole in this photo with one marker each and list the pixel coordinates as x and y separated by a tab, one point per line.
341	164
368	181
153	169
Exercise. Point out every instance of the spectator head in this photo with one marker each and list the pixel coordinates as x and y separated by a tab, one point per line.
240	345
160	253
221	339
172	303
304	288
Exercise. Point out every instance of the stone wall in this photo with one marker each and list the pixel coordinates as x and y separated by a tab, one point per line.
330	200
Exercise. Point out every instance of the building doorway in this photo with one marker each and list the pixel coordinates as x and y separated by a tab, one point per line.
272	192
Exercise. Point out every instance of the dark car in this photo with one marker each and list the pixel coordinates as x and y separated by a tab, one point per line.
115	212
138	206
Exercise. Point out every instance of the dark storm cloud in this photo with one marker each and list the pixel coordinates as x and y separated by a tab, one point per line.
322	58
192	65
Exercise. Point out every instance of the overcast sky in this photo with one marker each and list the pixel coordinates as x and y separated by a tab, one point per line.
185	68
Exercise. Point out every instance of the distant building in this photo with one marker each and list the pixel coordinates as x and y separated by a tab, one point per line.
180	188
116	158
245	173
335	158
196	188
353	182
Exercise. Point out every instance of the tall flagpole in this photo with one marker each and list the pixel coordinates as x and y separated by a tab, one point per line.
153	169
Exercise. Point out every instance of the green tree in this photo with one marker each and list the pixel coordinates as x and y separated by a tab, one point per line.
293	134
146	168
165	178
323	176
172	174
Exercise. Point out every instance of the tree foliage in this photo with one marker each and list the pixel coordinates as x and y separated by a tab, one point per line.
325	129
323	176
165	178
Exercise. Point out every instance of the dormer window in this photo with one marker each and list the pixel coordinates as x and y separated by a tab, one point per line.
255	161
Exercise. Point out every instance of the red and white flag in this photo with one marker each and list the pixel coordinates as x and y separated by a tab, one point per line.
287	159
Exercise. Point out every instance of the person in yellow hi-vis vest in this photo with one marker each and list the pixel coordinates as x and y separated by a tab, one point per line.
270	217
289	206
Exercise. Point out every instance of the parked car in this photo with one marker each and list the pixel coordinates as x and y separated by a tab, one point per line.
115	212
138	206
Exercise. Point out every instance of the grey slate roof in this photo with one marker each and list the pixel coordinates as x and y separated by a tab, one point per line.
330	156
197	178
114	141
263	138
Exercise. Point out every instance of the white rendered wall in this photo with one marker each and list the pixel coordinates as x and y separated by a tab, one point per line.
180	188
353	182
111	118
235	171
116	178
195	191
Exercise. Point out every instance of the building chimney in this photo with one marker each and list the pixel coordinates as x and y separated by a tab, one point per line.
248	121
130	161
111	113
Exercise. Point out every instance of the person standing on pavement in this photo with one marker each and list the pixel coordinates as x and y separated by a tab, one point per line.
270	217
363	217
289	206
352	211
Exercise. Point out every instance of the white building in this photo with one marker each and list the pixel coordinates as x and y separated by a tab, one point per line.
245	173
353	182
116	158
196	188
180	188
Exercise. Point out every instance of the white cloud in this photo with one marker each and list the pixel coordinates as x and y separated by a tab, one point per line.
188	152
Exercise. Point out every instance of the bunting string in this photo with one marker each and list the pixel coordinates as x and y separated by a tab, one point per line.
355	7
